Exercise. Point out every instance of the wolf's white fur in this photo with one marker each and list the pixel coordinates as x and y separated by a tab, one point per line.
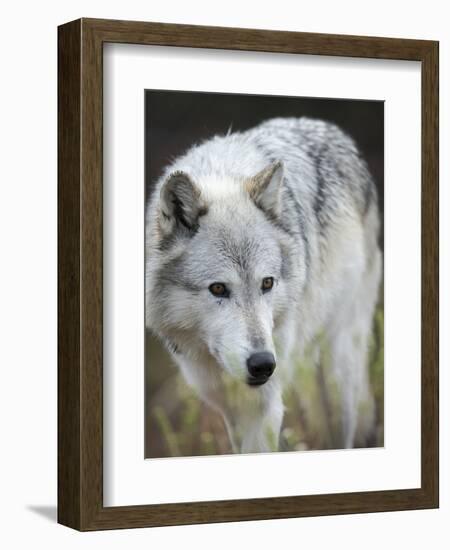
227	211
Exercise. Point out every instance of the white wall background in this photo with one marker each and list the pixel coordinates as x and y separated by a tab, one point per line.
28	272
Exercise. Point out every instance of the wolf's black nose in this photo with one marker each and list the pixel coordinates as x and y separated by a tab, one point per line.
260	367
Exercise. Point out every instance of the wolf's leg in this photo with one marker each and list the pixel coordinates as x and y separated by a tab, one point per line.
252	416
346	363
261	432
253	420
349	343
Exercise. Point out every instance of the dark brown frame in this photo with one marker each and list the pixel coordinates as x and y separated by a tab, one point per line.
80	415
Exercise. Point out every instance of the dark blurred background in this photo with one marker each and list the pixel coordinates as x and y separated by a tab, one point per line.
176	423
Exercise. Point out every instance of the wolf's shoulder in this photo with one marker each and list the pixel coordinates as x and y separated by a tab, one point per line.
322	153
302	132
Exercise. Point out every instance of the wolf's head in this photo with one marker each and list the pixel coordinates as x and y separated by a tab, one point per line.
221	287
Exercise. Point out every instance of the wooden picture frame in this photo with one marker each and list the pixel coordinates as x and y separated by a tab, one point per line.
80	272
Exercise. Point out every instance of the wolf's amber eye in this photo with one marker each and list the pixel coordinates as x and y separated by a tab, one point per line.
267	284
219	290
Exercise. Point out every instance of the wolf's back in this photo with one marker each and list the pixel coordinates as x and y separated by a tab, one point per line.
323	165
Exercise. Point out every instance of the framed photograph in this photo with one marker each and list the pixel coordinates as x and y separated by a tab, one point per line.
248	274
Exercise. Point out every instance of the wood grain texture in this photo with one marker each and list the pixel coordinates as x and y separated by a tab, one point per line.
69	244
430	272
80	264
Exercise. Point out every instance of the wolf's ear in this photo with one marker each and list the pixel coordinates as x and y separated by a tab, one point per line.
180	203
265	188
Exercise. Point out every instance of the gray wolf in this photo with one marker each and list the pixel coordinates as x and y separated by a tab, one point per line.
260	244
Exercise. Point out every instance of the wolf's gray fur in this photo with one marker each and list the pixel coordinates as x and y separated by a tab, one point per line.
293	200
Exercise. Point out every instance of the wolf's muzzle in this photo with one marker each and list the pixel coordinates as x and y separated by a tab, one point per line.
260	367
